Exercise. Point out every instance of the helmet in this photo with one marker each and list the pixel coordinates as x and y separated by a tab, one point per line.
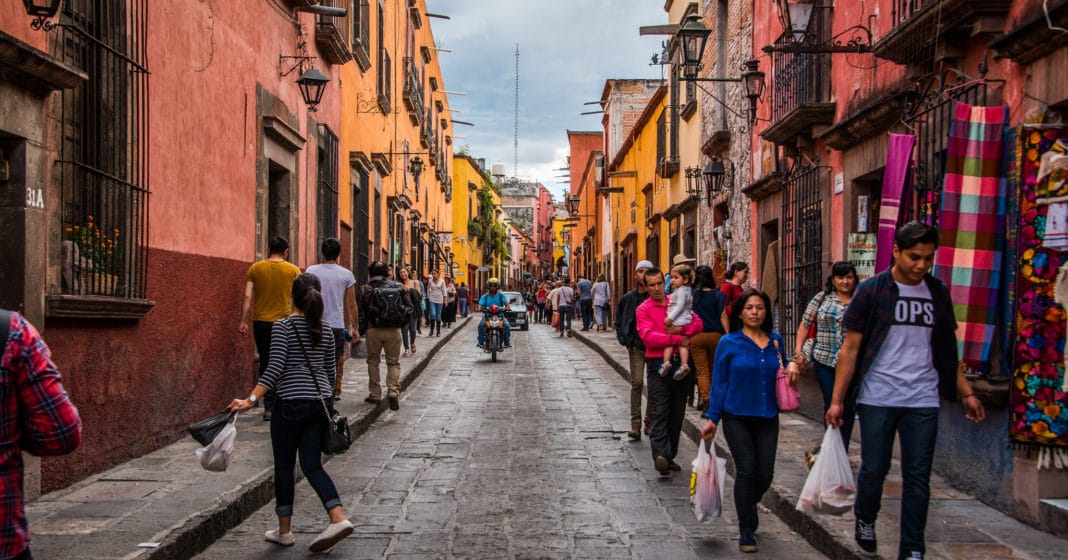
493	281
494	309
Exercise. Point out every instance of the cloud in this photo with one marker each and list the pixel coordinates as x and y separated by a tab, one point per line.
568	48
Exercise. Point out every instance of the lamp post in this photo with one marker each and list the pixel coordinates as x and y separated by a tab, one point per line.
693	37
312	83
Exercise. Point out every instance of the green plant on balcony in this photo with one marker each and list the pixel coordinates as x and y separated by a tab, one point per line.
97	247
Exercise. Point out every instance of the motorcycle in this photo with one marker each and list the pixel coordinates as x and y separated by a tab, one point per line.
494	332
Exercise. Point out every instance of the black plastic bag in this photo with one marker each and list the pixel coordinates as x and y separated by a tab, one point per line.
205	430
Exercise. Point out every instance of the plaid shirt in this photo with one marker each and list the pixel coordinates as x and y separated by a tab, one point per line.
826	311
871	312
35	416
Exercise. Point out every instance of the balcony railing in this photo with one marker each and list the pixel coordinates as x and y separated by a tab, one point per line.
413	91
801	92
328	36
919	24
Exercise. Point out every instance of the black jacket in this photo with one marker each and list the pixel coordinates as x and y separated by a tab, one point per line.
626	324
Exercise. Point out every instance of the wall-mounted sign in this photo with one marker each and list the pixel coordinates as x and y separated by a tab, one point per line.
861	252
839	183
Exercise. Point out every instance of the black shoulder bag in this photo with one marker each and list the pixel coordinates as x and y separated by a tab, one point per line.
336	436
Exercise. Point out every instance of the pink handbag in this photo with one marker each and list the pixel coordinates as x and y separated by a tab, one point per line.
787	396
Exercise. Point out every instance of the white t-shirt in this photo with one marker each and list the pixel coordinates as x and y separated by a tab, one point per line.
334	279
903	372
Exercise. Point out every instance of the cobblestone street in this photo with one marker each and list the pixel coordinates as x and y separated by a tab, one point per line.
525	458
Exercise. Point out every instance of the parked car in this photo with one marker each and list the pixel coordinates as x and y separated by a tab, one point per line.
516	314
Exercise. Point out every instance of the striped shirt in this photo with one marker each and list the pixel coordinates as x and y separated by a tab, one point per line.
287	371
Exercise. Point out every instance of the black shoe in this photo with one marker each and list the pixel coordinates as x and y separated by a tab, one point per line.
634	435
507	345
481	345
864	534
747	541
674	466
372	400
394	403
662	466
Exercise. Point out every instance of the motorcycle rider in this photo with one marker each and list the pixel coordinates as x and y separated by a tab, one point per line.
493	297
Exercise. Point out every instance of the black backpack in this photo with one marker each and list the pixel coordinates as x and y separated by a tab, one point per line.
388	305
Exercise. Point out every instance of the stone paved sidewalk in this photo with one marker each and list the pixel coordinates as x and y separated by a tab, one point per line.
959	526
164	506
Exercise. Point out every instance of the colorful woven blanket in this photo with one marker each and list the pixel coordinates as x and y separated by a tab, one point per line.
895	189
1038	404
972	221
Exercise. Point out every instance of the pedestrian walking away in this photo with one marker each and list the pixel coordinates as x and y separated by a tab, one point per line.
565	299
898	360
387	307
268	284
448	312
301	372
743	398
408	331
711	306
584	289
464	295
540	303
823	320
627	334
435	298
36	417
667	396
602	299
680	310
339	303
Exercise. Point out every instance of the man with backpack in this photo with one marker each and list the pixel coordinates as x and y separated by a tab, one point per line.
387	306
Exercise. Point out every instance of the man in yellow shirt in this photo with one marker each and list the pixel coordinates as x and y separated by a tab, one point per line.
268	291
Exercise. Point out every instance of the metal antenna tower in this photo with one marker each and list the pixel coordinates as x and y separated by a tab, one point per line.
515	120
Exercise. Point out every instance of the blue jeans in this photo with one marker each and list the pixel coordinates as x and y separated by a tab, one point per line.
408	332
917	429
825	377
482	332
586	305
463	308
602	314
297	425
566	313
435	310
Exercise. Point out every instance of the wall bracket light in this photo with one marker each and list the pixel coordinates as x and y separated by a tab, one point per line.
42	11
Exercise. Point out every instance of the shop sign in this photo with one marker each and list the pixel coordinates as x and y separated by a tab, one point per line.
861	252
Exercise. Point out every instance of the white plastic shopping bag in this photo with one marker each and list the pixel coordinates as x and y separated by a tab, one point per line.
216	455
706	483
830	487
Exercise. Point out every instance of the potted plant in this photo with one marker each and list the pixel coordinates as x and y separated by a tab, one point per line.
98	256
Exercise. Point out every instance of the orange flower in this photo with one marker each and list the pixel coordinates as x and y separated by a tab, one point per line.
1052	410
1039	428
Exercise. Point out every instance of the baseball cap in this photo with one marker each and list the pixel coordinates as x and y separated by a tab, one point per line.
644	264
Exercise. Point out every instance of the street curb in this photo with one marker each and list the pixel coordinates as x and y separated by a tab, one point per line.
202	530
779	500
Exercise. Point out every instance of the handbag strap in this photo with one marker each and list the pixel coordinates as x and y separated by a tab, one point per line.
778	353
311	372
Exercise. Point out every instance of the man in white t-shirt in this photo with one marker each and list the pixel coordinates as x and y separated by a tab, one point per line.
339	302
898	362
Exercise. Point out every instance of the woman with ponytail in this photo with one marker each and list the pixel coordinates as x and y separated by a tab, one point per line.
301	372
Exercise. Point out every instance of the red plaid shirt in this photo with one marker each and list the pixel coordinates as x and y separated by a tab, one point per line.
35	416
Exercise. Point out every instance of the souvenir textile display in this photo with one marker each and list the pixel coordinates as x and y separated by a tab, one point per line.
972	220
1037	418
895	191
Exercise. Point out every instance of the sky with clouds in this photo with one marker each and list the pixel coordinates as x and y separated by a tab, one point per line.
567	48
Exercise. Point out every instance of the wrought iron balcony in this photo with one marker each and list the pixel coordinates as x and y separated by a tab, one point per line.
328	37
413	91
920	24
801	93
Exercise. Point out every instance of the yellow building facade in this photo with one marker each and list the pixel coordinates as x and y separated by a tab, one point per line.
468	178
638	230
395	177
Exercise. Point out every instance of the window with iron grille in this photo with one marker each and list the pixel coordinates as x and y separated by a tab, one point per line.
931	122
361	233
361	33
801	78
326	207
661	138
801	261
101	172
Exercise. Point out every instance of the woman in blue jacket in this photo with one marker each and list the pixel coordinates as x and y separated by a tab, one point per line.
743	396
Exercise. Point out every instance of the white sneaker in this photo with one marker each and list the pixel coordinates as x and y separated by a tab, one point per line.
330	536
274	536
